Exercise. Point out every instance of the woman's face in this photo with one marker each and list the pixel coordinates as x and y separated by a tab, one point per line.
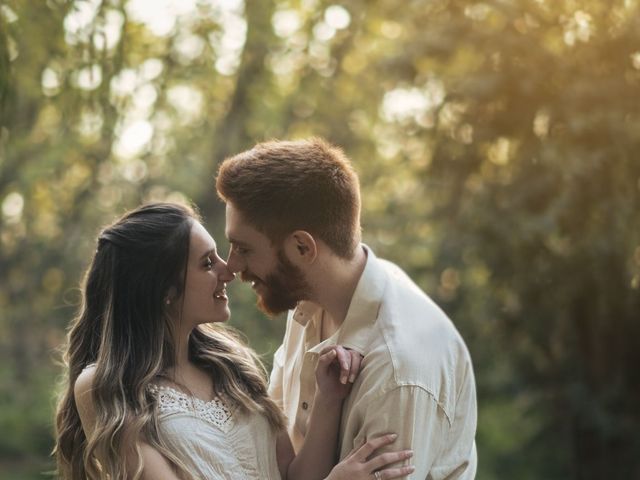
205	297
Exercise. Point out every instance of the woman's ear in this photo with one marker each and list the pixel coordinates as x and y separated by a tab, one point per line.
171	296
301	247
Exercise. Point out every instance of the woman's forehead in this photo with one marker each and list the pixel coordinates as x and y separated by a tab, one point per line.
201	240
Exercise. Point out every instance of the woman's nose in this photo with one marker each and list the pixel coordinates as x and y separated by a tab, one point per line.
226	275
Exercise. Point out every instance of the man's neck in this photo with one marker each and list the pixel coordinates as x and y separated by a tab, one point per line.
335	288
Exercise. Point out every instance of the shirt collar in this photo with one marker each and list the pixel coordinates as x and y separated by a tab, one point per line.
355	332
305	311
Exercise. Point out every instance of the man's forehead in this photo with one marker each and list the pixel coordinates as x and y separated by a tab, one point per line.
236	227
231	211
234	221
239	230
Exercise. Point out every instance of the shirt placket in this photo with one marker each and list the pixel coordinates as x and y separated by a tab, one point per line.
307	374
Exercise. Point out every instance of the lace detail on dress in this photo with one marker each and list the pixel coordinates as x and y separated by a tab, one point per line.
214	411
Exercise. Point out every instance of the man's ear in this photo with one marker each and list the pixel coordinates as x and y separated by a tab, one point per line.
301	247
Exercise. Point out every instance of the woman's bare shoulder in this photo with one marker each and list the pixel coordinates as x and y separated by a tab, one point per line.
84	382
84	399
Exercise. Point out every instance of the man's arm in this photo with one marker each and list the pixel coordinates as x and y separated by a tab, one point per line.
442	449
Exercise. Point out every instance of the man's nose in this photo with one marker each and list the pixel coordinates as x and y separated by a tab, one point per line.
234	263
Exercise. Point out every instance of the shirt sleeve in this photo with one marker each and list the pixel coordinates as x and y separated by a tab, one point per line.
422	426
276	386
458	458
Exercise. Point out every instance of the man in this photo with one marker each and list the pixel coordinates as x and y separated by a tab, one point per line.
293	222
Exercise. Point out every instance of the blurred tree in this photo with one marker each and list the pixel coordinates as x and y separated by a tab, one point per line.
5	74
519	141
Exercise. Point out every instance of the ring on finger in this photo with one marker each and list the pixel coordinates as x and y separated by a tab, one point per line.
377	475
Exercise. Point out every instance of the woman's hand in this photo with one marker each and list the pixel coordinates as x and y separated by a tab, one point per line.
336	371
361	464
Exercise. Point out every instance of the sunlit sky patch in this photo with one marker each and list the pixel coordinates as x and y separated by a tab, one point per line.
187	101
124	83
109	34
286	22
164	17
337	17
577	28
8	14
230	43
133	139
50	81
12	207
79	19
404	103
159	15
88	78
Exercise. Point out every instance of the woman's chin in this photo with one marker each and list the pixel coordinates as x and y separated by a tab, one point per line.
222	317
218	314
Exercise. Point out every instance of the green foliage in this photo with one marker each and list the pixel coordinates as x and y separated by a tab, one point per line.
497	147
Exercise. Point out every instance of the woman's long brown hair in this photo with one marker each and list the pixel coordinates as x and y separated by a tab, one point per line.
122	328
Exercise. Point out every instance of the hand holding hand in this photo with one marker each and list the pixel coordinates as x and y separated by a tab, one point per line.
336	371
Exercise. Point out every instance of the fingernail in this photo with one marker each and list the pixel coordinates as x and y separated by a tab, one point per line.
352	378
393	436
343	379
409	454
412	468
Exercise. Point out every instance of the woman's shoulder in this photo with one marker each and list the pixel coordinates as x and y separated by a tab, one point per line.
84	382
82	395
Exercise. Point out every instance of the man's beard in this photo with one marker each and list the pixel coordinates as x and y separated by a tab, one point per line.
282	289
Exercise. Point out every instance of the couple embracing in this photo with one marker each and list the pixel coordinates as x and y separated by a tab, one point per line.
372	380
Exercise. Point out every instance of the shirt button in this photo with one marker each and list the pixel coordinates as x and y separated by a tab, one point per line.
305	405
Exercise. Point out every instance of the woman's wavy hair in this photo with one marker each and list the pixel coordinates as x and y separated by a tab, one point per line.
124	329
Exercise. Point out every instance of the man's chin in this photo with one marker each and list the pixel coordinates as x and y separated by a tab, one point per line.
271	308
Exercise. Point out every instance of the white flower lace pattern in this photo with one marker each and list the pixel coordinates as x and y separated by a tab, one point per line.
214	411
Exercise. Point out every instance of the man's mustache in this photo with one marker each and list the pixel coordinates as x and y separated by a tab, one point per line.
247	277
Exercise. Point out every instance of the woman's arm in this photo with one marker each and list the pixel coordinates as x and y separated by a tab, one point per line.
365	464
360	464
155	464
318	453
317	456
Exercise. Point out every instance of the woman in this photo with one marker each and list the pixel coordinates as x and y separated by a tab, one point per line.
158	388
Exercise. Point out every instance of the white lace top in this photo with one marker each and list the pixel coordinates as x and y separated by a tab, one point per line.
214	439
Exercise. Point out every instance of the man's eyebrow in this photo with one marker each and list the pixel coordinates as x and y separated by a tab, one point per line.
236	242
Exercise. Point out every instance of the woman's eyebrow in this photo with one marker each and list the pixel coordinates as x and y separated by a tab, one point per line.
208	253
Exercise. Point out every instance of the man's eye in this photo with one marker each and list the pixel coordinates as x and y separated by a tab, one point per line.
241	250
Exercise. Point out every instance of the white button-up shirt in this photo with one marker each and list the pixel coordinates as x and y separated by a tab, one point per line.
416	378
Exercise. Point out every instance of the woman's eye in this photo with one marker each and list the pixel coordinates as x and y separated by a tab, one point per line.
208	263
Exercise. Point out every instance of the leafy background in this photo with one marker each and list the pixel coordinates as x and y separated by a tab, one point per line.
497	144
